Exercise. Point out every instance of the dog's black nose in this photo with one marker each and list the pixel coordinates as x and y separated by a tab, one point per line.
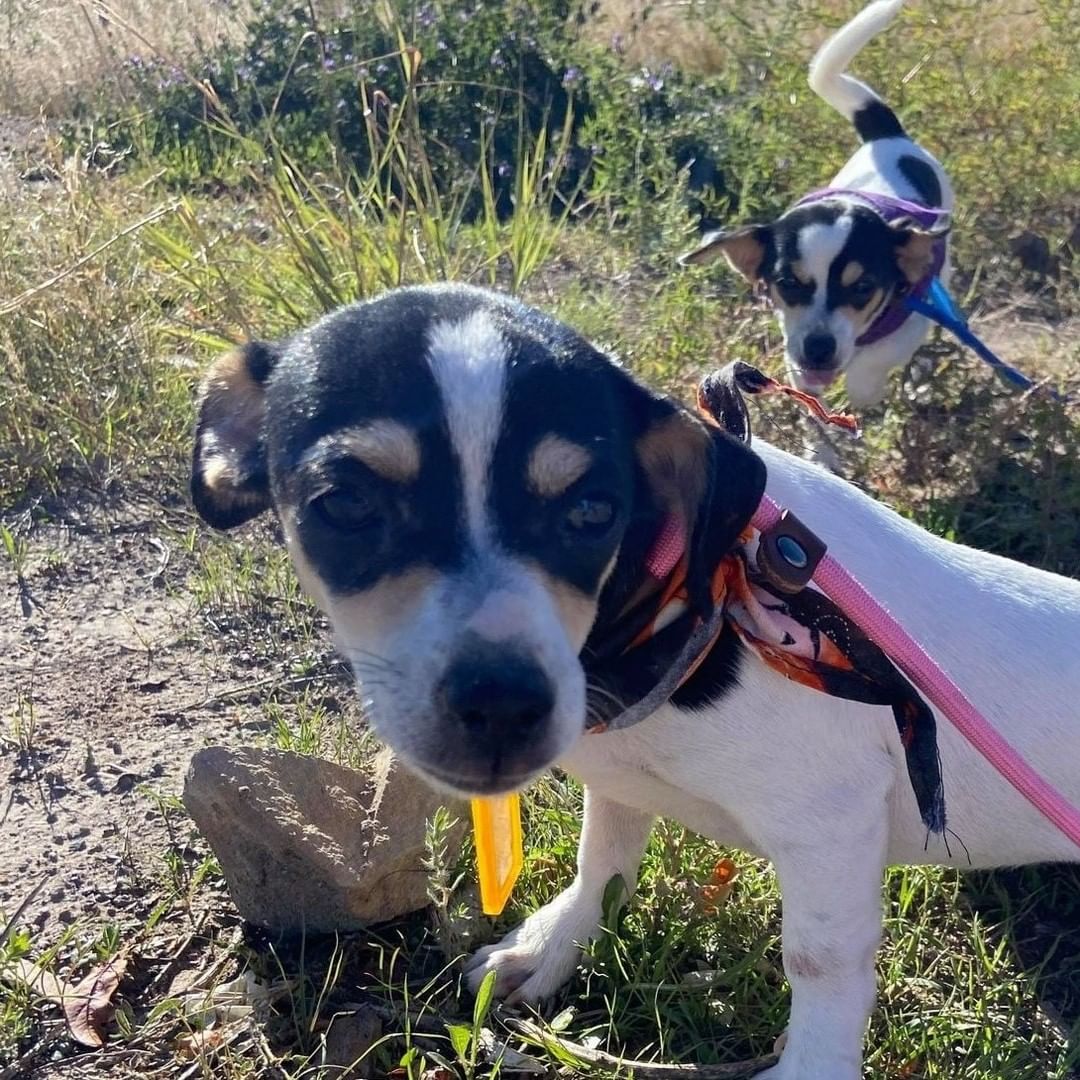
495	695
819	351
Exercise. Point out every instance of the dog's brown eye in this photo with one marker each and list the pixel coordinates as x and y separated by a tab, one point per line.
344	509
792	290
591	515
862	290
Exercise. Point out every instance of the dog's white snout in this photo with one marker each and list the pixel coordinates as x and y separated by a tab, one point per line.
502	614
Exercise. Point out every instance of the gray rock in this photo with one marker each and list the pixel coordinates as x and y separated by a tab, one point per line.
306	844
353	1031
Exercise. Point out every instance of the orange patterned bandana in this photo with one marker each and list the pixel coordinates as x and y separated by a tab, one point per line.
658	642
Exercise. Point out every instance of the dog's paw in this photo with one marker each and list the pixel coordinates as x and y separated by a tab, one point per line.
534	960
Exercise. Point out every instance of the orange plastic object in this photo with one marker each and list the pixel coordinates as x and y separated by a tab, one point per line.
497	832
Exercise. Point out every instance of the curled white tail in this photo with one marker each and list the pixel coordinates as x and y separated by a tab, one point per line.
827	70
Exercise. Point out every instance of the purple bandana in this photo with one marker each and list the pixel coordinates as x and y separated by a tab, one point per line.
890	209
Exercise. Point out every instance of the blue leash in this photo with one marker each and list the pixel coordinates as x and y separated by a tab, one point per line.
940	307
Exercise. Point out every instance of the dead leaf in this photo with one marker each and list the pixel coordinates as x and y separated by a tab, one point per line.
89	1006
411	59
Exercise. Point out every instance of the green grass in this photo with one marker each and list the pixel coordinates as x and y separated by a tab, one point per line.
121	290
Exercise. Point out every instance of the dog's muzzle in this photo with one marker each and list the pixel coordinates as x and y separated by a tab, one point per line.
495	709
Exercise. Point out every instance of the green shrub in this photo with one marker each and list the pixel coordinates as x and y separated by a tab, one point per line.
480	72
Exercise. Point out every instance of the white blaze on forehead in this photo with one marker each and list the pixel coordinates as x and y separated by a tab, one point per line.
468	359
819	244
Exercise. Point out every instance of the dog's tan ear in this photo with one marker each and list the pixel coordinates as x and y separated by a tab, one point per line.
712	481
745	249
674	455
915	246
229	482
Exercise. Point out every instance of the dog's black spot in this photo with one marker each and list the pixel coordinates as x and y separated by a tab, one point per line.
876	120
922	177
632	676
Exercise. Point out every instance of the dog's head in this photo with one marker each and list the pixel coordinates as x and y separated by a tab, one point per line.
830	269
461	481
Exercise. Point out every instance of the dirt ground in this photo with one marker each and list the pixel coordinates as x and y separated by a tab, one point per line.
107	694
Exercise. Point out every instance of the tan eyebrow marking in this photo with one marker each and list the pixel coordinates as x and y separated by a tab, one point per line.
555	464
852	272
798	271
385	446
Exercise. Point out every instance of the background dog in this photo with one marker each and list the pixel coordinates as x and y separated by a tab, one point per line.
835	267
466	486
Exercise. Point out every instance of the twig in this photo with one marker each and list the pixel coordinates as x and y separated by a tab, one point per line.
178	953
272	680
642	1070
11	305
22	907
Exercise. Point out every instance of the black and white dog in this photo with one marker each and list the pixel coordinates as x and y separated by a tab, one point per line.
837	265
467	487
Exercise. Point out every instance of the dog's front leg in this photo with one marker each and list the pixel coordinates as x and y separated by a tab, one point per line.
533	961
831	886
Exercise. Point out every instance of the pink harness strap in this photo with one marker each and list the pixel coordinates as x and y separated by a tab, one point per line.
853	599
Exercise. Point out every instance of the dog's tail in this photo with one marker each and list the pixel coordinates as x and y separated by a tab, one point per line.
873	119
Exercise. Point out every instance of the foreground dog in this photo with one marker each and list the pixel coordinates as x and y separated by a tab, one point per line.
837	265
468	488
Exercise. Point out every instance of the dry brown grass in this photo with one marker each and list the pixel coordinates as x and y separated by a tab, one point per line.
52	52
677	31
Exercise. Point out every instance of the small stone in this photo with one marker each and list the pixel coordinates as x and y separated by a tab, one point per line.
347	1043
125	783
312	845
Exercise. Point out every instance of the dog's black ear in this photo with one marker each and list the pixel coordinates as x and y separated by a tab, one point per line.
711	480
915	245
229	481
746	249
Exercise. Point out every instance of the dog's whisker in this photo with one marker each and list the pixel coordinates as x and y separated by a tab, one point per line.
607	695
372	657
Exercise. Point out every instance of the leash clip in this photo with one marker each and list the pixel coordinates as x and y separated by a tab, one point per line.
789	553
